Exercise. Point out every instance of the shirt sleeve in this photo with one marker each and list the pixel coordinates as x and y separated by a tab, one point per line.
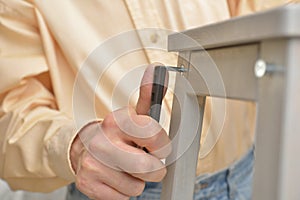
35	139
35	135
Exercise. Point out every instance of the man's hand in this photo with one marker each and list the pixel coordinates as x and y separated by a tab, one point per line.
107	156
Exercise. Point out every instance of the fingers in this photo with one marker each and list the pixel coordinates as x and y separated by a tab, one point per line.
123	155
100	191
93	173
142	165
113	167
144	101
108	161
154	138
139	129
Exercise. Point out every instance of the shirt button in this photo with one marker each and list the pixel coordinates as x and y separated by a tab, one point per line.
154	38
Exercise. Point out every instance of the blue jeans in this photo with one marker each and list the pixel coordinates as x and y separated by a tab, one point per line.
233	183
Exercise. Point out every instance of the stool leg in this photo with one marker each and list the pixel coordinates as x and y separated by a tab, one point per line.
182	163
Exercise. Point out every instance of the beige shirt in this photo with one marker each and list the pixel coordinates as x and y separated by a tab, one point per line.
43	45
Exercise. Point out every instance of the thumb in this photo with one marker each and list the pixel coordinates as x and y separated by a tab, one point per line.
144	101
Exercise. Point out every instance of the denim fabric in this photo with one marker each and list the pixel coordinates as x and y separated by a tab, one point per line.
233	183
74	194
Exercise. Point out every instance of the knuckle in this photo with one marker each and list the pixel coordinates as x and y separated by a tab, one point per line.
125	198
109	121
153	139
88	163
168	149
160	174
81	184
143	164
130	109
138	188
93	146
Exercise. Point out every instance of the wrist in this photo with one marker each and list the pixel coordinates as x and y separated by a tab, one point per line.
75	151
77	145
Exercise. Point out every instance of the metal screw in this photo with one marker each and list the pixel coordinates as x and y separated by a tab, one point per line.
260	68
176	69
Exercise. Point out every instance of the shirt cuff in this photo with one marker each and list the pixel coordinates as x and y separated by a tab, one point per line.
58	148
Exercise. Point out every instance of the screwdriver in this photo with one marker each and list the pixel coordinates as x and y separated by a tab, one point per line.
158	88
